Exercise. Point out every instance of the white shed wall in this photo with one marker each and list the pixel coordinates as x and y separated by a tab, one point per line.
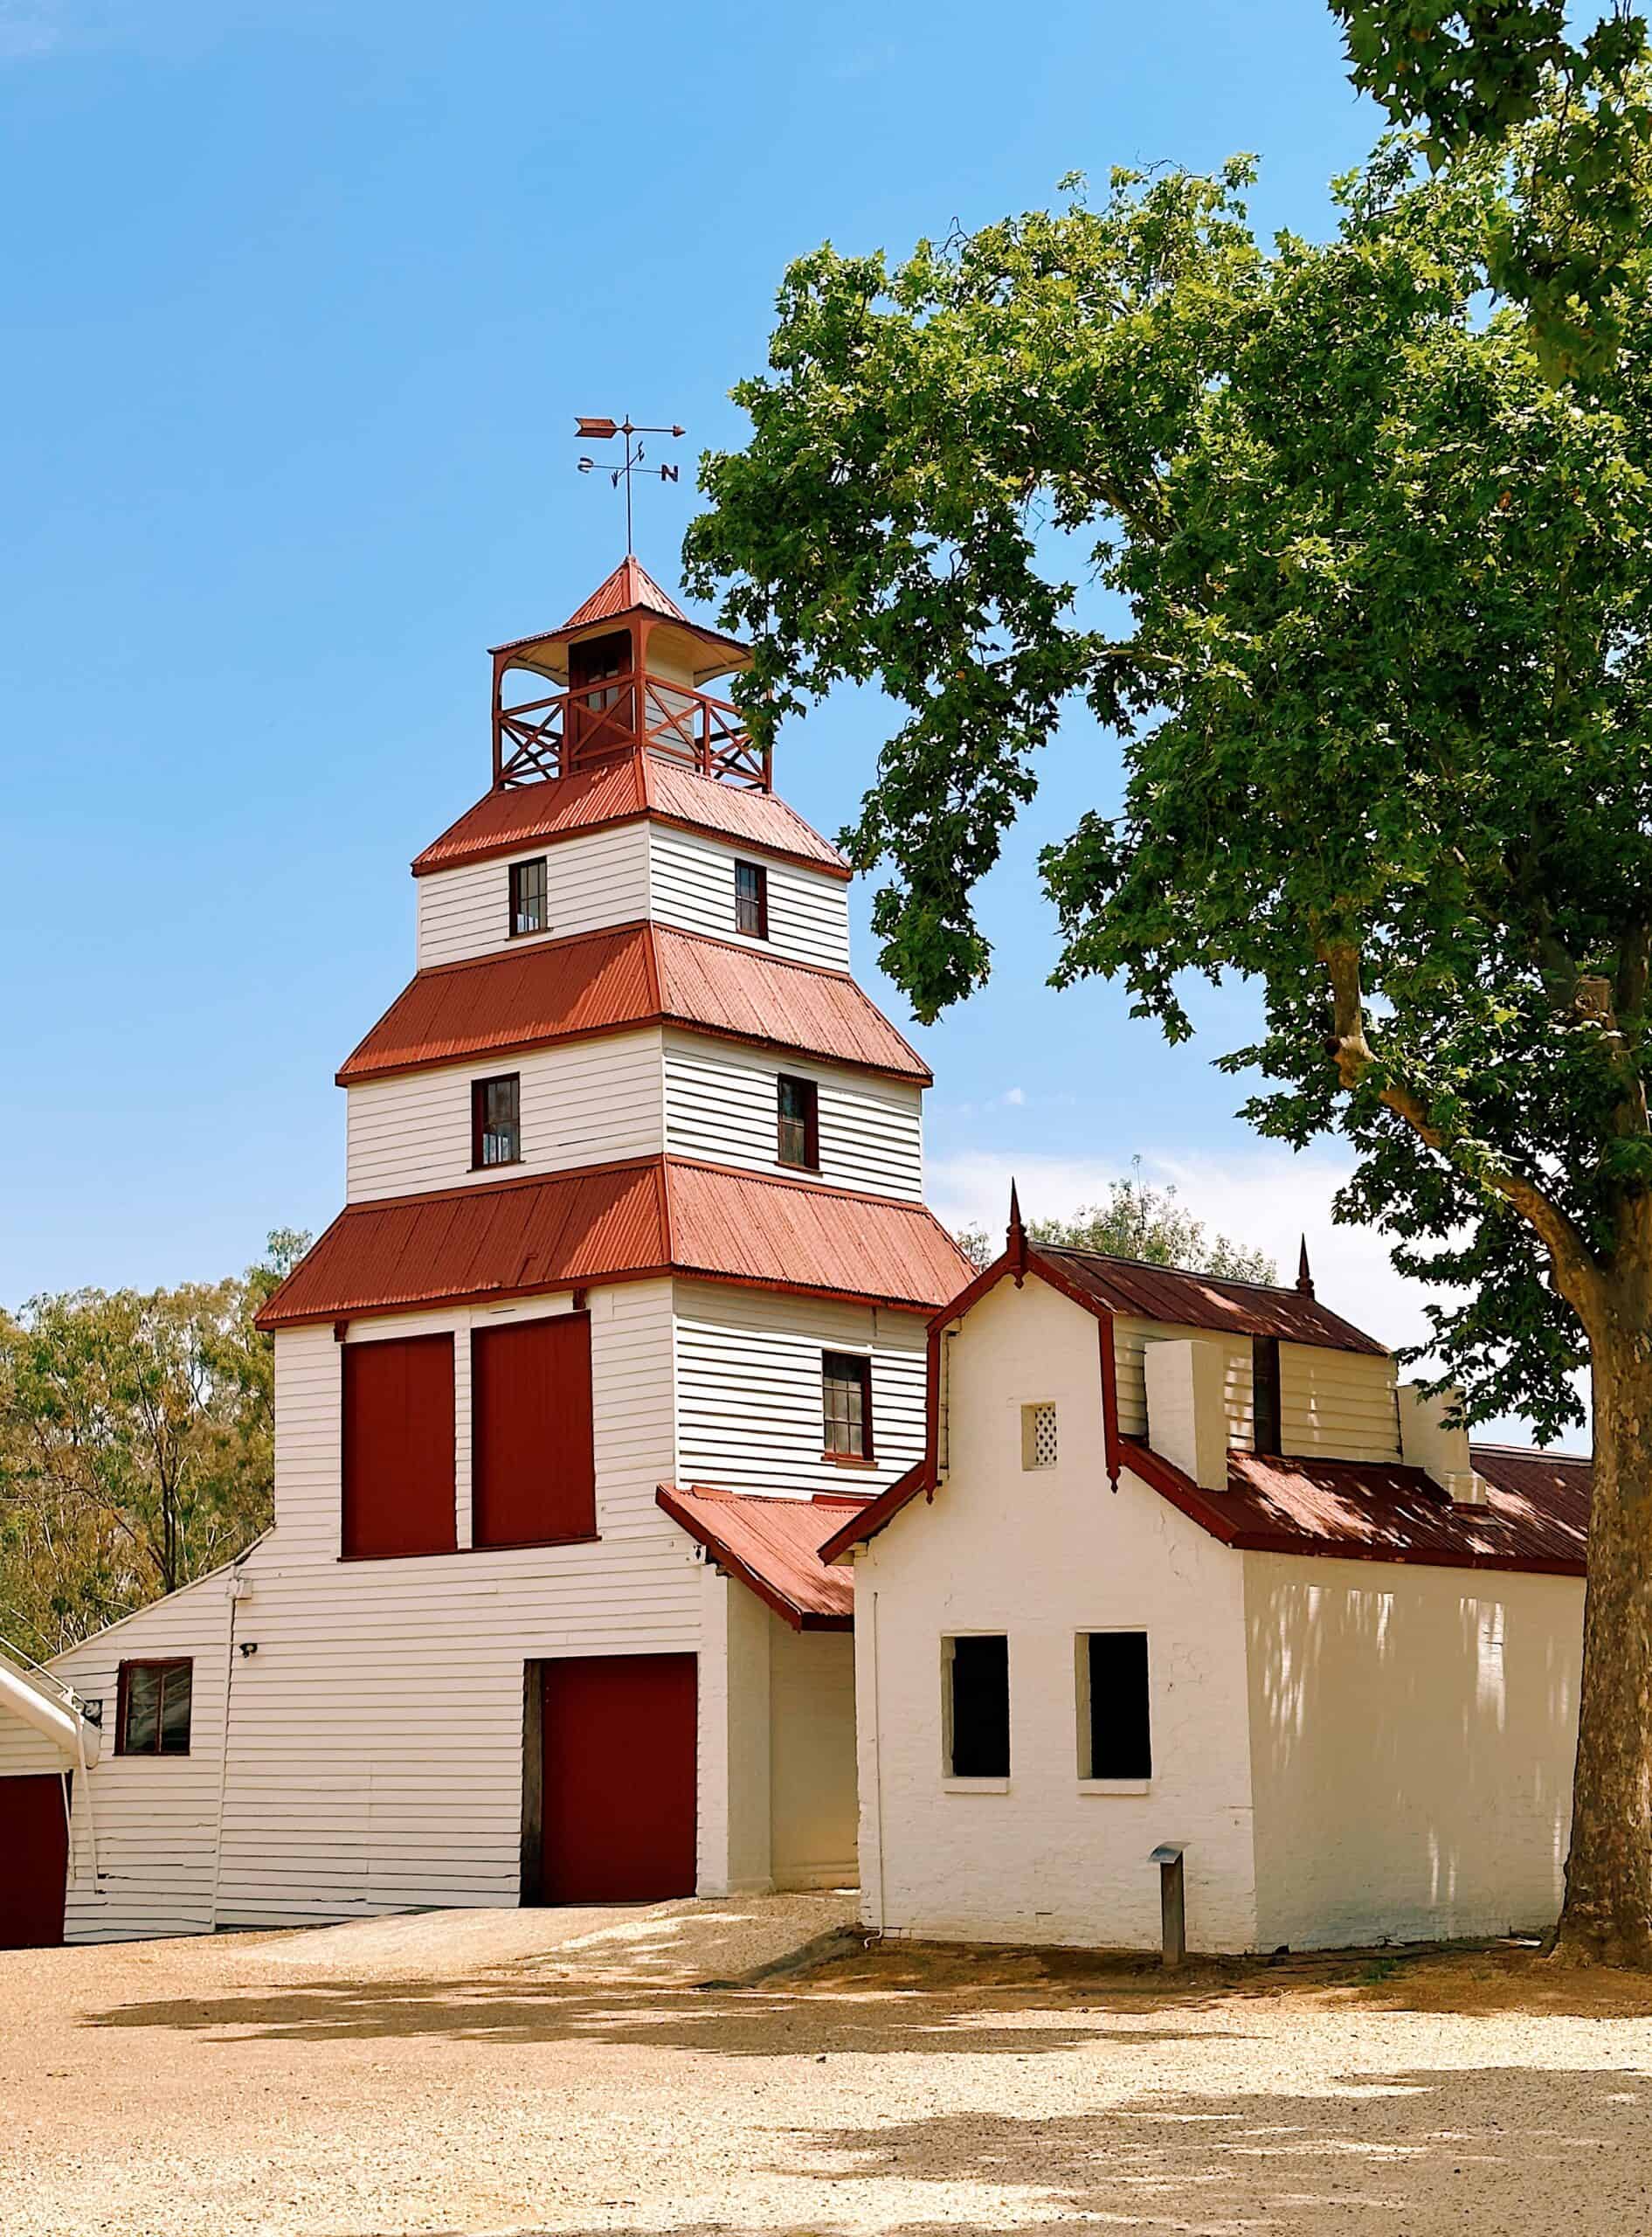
1337	1403
1413	1736
812	1779
720	1103
749	1365
1044	1556
585	1103
692	882
599	879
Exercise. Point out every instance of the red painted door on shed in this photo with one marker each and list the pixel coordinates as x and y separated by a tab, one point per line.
34	1861
619	1782
398	1446
533	1479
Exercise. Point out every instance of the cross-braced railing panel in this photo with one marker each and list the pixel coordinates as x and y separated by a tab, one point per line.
573	730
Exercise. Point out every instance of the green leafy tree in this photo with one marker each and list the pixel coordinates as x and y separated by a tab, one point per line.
1137	1221
136	1446
1475	75
1381	671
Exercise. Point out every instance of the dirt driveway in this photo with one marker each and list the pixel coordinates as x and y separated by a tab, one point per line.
557	2071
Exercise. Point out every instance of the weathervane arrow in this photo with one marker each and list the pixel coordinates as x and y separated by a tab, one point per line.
603	431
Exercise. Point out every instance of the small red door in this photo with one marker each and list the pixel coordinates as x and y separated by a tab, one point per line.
618	1791
34	1861
599	713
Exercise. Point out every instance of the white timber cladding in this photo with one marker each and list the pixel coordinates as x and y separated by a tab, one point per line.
692	885
155	1816
1413	1736
1337	1403
599	879
583	1103
749	1411
721	1104
1044	1557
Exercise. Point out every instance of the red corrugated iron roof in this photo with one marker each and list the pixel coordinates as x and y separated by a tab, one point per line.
1535	1516
771	1545
618	1222
629	975
630	589
621	791
1194	1300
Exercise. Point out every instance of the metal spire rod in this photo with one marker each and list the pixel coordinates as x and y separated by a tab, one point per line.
603	431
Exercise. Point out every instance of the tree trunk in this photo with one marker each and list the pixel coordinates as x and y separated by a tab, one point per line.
1607	1916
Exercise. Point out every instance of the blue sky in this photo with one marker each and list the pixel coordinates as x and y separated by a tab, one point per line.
302	299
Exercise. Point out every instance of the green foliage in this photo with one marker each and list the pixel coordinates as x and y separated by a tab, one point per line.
1474	74
1137	1221
136	1445
1383	678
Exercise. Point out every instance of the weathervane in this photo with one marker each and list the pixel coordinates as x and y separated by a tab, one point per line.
603	431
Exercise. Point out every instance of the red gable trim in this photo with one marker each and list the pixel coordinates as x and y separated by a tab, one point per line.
769	1545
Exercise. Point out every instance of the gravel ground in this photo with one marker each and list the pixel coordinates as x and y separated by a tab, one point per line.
570	2071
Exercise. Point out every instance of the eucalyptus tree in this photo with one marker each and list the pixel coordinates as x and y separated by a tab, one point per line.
1379	671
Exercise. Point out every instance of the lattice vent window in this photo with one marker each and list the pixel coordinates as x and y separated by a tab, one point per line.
1038	1436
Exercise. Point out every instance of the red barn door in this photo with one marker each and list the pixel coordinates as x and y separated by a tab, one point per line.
34	1861
618	1813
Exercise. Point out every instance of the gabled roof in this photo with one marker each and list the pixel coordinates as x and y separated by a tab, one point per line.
769	1544
622	791
535	993
618	1222
630	589
1186	1299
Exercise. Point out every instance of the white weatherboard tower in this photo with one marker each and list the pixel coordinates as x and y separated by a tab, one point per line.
629	1293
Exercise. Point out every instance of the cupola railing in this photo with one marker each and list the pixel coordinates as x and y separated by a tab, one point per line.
574	731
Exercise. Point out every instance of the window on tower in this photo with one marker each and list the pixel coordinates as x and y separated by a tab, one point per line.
527	888
495	1120
751	900
845	1388
798	1120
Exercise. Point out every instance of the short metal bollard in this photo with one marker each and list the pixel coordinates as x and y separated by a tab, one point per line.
1172	1907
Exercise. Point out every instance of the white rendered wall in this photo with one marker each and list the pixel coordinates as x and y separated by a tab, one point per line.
1044	1556
1413	1736
692	884
749	1367
721	1104
601	878
811	1773
585	1103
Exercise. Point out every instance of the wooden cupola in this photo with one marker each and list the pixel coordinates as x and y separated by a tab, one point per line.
629	666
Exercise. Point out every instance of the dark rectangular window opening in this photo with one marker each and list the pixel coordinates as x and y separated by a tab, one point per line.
1264	1380
846	1386
152	1711
797	1118
751	900
1115	1732
977	1705
495	1120
528	892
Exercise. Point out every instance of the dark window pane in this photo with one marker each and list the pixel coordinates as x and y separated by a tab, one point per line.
176	1688
980	1676
496	1121
142	1708
846	1390
1121	1743
751	900
1264	1375
797	1103
528	892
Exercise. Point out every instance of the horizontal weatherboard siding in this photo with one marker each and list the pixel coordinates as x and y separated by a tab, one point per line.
721	1105
601	878
692	883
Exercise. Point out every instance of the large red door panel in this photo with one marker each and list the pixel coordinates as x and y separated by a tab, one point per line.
617	1735
533	1468
34	1861
398	1446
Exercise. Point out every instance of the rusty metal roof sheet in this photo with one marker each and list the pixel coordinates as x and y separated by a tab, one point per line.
630	589
529	996
772	1546
616	1222
1192	1300
621	792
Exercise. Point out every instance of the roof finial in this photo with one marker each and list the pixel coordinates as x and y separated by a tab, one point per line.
1015	1236
1304	1279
